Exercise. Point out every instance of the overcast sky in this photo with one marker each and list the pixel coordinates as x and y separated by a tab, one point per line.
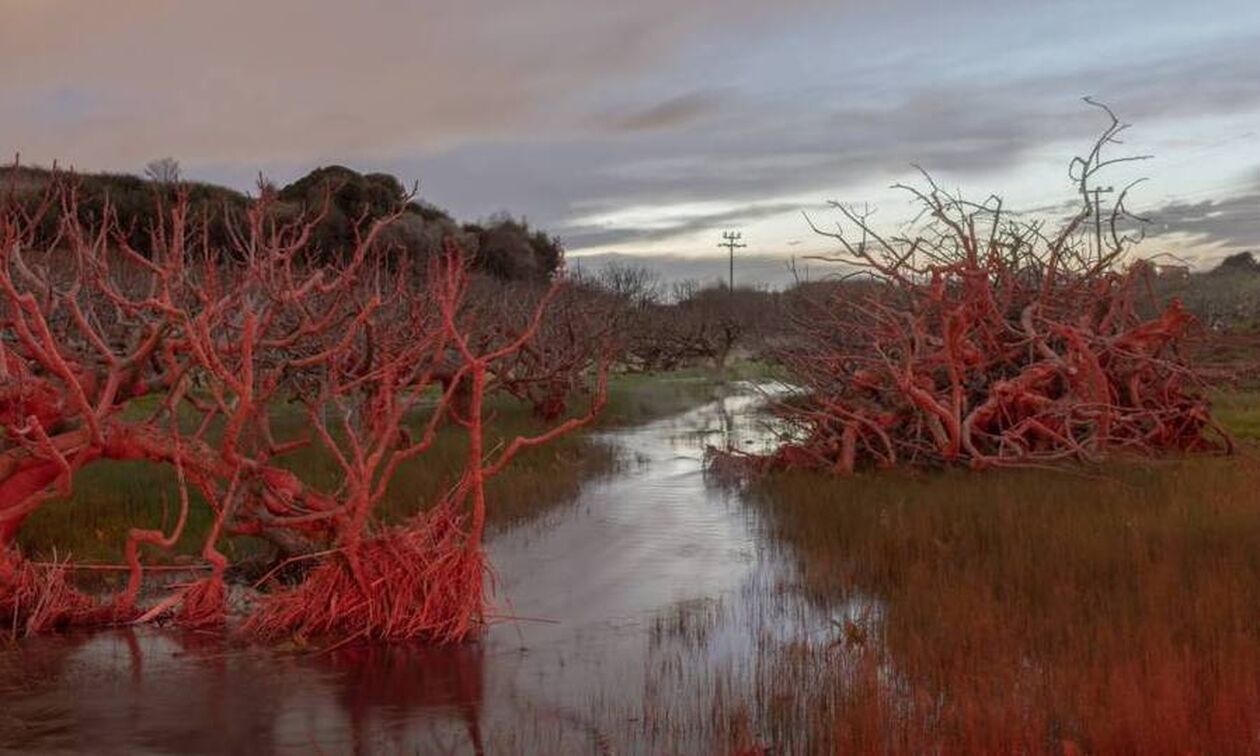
646	128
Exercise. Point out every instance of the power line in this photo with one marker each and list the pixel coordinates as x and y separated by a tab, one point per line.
731	241
1097	192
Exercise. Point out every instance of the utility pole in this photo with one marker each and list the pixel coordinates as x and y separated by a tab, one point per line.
731	241
1097	192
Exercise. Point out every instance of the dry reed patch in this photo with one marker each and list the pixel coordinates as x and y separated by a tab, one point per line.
1039	611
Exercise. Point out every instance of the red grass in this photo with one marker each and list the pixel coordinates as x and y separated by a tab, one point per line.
35	599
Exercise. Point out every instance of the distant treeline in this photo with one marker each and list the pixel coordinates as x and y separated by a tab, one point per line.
1225	297
503	246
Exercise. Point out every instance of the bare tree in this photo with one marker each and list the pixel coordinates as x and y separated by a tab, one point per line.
216	336
637	284
979	337
163	170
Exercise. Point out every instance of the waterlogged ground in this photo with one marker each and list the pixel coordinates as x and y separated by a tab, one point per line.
636	620
1087	610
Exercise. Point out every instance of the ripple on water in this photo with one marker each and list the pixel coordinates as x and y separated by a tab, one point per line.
645	608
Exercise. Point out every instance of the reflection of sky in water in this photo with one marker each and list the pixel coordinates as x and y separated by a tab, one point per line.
650	589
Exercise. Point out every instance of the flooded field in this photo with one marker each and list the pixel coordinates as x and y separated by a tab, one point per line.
666	612
629	621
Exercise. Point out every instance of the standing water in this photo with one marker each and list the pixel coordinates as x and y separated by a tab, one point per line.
631	621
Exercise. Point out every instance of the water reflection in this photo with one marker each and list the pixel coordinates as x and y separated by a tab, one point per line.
383	689
638	616
131	691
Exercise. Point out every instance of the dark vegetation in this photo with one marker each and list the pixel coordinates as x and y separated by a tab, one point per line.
1226	299
504	247
686	324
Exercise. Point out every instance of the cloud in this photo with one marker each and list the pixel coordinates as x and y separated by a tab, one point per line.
1232	222
672	113
249	82
568	110
596	233
753	151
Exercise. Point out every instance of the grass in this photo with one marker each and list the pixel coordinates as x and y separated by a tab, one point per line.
1239	412
1032	611
109	497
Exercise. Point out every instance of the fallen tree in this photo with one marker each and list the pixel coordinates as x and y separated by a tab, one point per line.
214	337
982	338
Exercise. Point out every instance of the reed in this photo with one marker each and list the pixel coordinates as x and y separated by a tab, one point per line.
1033	611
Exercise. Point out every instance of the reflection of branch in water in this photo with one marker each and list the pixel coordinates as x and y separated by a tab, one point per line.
600	741
32	711
726	424
110	689
408	679
134	654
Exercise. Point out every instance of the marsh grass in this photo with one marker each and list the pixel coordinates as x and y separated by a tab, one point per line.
109	498
1033	611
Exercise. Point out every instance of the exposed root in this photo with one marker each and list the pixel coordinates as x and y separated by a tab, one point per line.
421	581
36	599
204	603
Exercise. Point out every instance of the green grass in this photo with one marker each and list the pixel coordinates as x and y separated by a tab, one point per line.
635	398
1239	412
109	498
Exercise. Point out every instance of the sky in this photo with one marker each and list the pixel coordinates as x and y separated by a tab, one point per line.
641	131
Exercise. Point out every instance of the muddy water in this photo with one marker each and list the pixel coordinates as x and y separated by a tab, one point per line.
632	621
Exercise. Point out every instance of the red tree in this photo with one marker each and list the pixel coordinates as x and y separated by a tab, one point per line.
985	339
219	336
